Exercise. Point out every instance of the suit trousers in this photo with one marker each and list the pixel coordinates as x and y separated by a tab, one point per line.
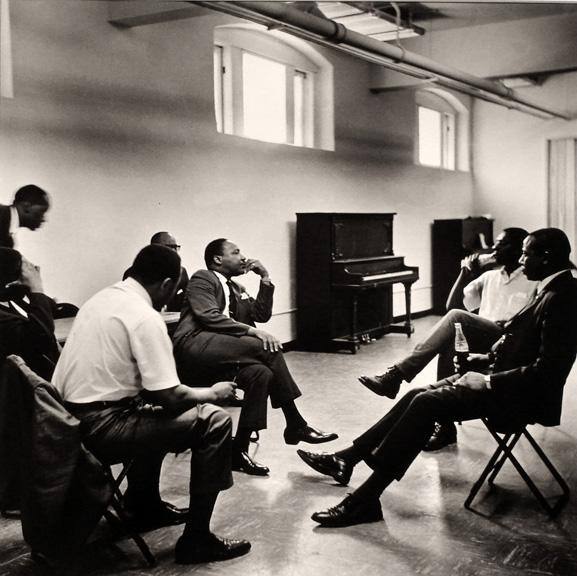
481	334
123	430
390	446
258	372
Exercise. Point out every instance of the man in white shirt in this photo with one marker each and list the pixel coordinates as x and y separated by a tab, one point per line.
117	376
498	294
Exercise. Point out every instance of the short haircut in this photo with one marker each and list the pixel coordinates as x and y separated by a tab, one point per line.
33	194
155	263
158	237
214	248
10	265
554	244
516	236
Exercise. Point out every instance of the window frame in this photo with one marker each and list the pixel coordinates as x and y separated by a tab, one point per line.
229	87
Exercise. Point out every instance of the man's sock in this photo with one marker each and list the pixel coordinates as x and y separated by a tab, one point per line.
199	515
241	441
292	415
351	455
372	487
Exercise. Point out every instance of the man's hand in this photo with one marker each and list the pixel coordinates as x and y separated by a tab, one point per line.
257	267
471	263
269	342
474	362
30	276
472	380
223	391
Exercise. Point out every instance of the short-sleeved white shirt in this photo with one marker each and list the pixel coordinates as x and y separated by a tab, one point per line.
118	346
498	295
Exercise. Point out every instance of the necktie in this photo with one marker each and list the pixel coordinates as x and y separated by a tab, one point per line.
232	303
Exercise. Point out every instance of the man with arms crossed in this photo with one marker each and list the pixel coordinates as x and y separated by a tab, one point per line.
117	376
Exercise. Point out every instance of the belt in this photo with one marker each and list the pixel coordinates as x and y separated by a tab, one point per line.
100	405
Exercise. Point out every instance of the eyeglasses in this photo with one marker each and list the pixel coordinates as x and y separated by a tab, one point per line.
173	246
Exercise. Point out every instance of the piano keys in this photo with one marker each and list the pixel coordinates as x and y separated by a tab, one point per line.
345	271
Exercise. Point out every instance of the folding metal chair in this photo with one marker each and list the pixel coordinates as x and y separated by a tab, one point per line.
506	442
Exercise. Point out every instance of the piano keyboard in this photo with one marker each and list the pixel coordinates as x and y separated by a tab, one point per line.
387	275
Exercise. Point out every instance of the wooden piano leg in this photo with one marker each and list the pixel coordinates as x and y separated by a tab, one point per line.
408	325
354	308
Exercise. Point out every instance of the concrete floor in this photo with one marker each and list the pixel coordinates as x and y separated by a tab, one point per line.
426	529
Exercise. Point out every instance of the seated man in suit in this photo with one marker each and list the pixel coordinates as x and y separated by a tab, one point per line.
26	322
217	331
498	294
525	385
26	329
168	240
28	210
117	375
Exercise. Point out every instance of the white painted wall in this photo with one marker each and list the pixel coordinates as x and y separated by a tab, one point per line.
118	126
510	154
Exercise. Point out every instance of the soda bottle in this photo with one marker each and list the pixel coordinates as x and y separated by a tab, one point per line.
461	346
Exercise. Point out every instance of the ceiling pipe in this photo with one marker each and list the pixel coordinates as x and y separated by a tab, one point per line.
329	33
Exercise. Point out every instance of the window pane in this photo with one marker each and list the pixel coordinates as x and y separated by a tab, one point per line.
449	141
430	145
218	88
299	82
264	99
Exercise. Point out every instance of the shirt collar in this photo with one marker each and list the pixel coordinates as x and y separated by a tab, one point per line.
543	283
223	279
14	220
132	285
515	274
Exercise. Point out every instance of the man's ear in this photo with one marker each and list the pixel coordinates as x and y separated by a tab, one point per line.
217	259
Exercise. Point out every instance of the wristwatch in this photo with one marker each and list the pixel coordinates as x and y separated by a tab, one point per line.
488	381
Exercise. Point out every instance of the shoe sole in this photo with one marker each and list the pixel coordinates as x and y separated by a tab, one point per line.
212	558
295	441
345	524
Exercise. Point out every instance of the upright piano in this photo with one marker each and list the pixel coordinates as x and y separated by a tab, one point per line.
345	271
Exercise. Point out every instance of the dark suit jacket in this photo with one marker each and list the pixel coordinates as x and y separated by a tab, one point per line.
30	338
538	352
6	240
205	302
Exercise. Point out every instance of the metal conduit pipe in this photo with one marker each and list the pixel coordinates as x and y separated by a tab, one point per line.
329	33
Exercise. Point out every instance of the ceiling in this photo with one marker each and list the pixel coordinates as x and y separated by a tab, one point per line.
445	15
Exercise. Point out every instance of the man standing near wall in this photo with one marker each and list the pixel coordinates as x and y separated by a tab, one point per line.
28	210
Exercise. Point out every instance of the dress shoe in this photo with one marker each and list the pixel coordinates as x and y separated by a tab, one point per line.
328	464
165	514
349	512
307	434
208	549
444	435
242	462
387	384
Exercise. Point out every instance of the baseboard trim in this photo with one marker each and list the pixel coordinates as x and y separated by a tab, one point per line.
414	315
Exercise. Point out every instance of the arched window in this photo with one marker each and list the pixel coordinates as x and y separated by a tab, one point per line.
272	87
442	130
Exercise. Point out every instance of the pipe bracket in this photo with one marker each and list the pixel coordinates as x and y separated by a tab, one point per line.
339	34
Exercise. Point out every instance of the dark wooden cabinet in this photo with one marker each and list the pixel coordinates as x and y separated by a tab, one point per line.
453	240
345	270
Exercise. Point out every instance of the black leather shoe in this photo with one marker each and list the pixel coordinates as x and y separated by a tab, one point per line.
150	519
328	464
387	384
307	434
349	512
209	549
444	435
242	462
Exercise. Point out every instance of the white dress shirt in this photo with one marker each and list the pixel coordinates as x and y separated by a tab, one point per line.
118	346
498	295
